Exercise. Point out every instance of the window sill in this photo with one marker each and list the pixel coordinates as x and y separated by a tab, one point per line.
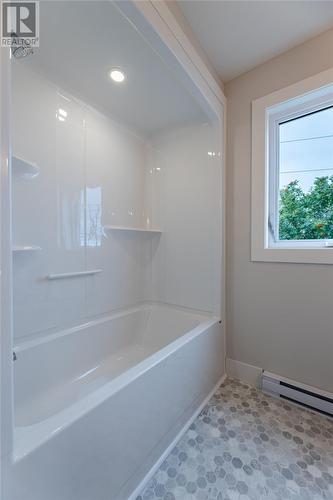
296	255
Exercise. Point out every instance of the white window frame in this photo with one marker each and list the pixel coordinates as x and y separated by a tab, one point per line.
312	94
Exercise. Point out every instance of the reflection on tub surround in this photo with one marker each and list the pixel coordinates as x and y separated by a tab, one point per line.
24	167
93	216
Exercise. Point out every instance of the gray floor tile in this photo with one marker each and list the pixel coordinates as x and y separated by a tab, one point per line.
247	446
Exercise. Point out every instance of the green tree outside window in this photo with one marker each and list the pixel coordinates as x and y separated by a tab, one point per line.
307	215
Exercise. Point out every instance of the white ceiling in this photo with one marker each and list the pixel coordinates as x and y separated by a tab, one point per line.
237	35
82	40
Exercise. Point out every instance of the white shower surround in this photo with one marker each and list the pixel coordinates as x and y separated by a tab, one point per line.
54	465
90	166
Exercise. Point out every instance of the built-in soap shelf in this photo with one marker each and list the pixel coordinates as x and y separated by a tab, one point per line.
24	168
25	248
134	229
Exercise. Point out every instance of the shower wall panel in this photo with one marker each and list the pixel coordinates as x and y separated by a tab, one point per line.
91	175
187	262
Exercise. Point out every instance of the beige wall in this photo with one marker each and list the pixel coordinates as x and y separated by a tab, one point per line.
279	316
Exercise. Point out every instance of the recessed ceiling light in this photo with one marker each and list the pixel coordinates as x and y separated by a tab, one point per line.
117	75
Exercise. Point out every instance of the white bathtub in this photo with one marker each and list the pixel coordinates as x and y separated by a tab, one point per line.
97	405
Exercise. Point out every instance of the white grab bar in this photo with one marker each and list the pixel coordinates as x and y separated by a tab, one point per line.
73	275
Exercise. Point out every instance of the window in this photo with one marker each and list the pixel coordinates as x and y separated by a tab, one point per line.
301	189
292	173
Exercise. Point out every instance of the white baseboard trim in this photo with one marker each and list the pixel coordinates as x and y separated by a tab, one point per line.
168	450
242	371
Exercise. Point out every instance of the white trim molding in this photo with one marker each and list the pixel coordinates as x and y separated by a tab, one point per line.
302	94
168	15
243	371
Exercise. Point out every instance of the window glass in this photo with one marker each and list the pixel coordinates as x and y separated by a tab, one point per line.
306	177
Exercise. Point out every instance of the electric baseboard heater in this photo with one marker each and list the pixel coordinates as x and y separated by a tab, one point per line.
305	395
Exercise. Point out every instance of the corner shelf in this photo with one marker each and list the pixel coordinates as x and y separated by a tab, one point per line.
134	229
23	167
25	248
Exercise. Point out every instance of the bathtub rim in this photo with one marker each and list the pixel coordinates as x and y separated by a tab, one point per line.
28	438
23	344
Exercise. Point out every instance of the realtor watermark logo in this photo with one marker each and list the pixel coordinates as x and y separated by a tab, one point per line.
20	24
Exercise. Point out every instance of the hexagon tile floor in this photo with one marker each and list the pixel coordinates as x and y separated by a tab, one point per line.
245	445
